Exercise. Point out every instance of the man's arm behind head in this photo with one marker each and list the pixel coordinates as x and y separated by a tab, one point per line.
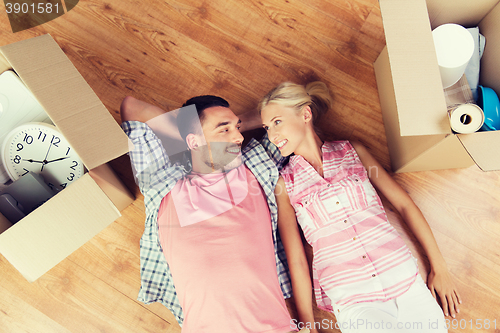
133	109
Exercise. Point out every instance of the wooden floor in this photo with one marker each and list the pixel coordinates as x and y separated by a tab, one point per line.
164	52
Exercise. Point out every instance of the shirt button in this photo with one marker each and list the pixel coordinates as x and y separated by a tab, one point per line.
328	185
345	221
338	203
373	275
356	179
364	257
354	238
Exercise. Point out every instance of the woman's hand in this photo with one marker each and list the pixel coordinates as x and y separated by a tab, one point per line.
441	285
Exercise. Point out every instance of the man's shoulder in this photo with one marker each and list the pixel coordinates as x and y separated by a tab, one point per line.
259	162
252	149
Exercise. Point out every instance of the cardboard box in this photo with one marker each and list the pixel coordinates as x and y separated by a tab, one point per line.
413	105
49	234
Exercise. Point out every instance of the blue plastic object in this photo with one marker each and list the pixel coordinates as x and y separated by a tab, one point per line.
488	101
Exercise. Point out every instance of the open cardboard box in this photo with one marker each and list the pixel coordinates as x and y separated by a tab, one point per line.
50	233
413	105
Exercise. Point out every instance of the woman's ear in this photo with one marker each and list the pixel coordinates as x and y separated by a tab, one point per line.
307	114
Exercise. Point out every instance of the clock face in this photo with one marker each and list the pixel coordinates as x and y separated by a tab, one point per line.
41	148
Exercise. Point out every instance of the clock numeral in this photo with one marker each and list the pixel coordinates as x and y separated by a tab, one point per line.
25	172
20	146
51	185
68	151
55	140
28	138
40	136
17	159
75	164
63	185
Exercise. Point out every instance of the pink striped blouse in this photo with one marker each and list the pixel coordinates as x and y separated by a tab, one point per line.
358	255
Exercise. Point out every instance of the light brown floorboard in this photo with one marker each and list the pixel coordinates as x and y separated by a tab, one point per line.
165	52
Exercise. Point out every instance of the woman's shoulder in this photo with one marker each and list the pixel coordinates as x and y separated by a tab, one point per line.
337	149
344	145
288	169
359	148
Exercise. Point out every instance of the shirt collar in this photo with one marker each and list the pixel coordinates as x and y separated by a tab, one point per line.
301	163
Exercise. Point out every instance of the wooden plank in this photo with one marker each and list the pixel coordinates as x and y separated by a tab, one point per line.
446	200
166	52
78	301
20	317
113	257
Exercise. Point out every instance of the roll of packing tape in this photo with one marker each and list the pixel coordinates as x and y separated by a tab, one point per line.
466	118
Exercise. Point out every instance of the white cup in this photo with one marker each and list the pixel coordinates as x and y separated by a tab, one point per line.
454	48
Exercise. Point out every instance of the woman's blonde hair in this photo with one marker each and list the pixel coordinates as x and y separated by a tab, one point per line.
315	95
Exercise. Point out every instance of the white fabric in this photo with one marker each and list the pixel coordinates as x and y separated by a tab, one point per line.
416	311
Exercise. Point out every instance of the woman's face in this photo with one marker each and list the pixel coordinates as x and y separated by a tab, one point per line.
285	126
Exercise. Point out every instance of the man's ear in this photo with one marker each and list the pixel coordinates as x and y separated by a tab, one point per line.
192	141
307	114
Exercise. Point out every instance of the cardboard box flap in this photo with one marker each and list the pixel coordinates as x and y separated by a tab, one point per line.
68	99
448	153
4	223
4	64
53	231
414	68
490	66
483	148
110	184
464	12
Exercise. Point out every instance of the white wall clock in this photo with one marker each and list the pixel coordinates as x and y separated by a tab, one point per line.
42	149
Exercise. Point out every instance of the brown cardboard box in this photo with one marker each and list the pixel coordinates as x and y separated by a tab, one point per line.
414	110
68	220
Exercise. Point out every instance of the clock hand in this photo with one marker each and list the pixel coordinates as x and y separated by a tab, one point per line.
33	161
46	155
57	159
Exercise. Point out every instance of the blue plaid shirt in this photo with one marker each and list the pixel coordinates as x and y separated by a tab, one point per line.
156	177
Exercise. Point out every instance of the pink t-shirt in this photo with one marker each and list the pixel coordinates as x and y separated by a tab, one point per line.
223	267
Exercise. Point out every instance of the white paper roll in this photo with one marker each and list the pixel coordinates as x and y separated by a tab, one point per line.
454	48
466	118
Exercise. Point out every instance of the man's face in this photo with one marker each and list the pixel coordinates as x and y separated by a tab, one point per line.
221	128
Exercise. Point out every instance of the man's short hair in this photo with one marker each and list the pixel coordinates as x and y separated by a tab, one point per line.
187	122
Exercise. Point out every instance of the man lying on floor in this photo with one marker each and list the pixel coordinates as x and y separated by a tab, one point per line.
210	250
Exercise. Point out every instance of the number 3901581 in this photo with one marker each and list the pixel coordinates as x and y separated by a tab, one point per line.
25	8
477	324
